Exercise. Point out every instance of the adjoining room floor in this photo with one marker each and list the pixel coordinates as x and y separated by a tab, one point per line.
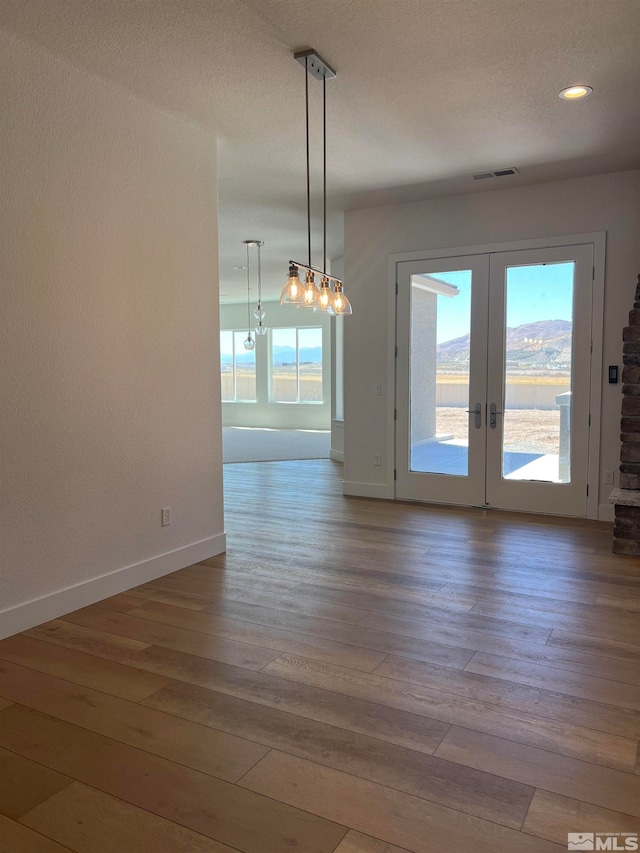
353	676
249	444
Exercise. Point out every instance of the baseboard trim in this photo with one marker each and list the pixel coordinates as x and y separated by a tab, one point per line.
39	610
382	491
605	512
336	455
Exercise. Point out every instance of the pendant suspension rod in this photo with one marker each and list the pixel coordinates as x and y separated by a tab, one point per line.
306	99
248	289
324	172
259	278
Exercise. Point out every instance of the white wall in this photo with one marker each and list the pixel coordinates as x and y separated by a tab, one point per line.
608	203
108	339
337	374
264	413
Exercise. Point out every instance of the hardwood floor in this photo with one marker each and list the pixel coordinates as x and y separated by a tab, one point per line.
378	678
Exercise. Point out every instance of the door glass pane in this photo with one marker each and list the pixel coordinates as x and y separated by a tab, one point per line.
439	372
245	368
536	441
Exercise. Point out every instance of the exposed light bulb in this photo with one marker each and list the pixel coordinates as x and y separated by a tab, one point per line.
292	292
326	296
311	291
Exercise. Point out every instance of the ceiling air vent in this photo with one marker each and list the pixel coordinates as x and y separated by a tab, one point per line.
499	173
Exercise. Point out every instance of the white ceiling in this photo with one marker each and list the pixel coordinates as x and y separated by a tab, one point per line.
428	92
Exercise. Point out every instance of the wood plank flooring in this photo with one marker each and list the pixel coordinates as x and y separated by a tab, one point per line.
378	678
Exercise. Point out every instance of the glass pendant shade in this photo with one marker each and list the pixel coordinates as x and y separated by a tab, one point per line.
260	329
249	343
259	314
292	292
311	291
340	304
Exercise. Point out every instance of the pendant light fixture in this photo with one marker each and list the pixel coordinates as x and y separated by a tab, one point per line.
259	312
294	292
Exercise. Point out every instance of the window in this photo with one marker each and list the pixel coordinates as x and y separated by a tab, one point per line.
237	369
296	365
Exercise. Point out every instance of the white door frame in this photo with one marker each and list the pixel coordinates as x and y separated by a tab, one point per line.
598	240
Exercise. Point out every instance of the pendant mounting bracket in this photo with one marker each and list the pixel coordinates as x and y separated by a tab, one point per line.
315	64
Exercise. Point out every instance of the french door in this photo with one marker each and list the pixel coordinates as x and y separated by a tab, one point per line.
493	378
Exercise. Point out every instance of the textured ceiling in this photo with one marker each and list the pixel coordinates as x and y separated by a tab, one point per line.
428	92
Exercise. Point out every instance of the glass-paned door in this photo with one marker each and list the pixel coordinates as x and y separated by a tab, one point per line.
493	375
538	379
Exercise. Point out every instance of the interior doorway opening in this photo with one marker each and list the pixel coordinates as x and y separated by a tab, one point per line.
276	397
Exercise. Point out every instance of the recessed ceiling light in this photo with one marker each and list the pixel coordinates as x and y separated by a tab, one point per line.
239	268
575	93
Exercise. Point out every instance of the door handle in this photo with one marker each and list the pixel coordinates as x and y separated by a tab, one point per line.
477	411
492	415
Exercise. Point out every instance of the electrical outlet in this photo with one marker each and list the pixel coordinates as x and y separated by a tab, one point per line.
608	478
166	516
377	459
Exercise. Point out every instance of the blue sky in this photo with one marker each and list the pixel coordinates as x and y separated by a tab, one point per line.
542	292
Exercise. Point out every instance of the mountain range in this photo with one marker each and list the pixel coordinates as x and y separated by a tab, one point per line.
281	355
544	344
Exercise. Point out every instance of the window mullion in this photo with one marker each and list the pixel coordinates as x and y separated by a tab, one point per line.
297	365
233	364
